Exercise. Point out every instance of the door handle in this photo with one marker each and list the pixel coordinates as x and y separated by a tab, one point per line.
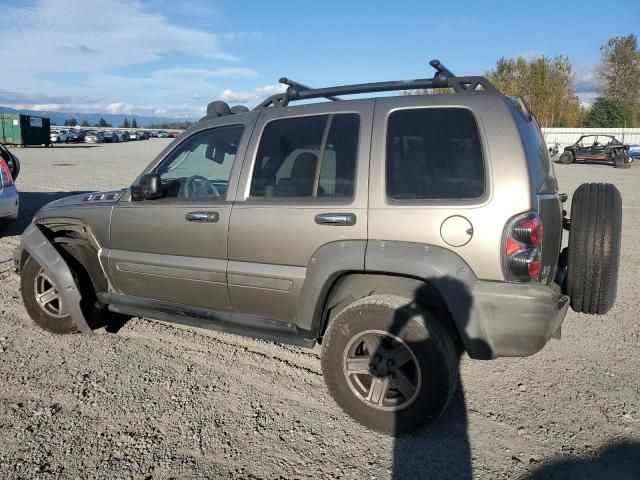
336	219
204	217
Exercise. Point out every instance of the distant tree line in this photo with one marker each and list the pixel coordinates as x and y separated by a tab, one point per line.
171	125
549	88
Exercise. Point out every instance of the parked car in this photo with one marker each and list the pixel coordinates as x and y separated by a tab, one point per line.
94	136
597	148
134	136
144	135
11	160
634	151
9	197
163	135
77	136
110	136
123	135
59	136
398	231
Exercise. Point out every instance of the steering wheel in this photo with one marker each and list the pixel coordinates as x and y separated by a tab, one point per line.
199	186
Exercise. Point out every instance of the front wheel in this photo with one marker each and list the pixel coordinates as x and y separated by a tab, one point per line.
390	365
566	158
43	301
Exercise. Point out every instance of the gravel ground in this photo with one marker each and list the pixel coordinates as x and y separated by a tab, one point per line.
159	401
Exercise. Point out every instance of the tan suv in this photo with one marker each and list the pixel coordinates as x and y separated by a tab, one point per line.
397	231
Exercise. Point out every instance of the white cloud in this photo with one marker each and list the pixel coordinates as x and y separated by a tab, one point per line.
53	41
257	94
529	55
233	36
119	107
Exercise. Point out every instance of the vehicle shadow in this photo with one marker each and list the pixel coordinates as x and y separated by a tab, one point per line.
619	461
442	450
30	203
75	145
583	162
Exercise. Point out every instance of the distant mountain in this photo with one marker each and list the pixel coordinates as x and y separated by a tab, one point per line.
58	118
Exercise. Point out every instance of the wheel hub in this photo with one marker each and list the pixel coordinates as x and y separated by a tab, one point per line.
47	296
382	370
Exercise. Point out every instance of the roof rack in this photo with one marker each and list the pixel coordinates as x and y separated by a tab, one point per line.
443	78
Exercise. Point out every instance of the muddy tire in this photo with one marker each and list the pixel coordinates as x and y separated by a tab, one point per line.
621	161
390	365
566	158
594	247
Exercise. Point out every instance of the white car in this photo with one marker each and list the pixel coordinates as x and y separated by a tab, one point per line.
134	136
59	136
9	198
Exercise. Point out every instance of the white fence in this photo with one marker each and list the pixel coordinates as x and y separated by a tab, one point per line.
568	136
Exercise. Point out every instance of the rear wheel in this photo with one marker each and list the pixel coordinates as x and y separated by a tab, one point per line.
389	365
594	247
621	161
566	158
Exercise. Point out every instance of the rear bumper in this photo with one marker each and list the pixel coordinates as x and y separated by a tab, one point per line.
517	319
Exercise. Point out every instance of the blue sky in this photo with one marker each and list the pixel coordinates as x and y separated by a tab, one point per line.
170	58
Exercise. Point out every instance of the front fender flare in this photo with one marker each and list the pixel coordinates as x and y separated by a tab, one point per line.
46	255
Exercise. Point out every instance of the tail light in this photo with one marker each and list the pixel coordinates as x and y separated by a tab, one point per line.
522	248
6	179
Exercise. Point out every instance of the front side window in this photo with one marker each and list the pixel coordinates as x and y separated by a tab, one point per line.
312	157
434	153
200	168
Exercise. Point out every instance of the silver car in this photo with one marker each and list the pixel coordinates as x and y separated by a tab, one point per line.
9	198
94	136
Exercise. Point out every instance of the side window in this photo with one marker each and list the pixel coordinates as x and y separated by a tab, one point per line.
434	153
201	166
307	157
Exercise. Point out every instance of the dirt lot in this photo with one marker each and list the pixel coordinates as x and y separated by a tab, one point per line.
158	401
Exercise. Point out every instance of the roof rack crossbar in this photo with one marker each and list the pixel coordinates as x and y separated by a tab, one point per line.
300	86
443	78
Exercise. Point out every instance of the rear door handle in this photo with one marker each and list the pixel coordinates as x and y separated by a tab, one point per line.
204	217
347	219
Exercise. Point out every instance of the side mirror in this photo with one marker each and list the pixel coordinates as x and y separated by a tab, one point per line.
149	188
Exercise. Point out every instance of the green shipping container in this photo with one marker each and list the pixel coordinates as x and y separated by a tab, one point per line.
24	130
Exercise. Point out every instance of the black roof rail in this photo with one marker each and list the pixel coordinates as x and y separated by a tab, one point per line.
443	78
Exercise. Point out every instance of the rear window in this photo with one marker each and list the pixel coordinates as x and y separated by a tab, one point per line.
434	153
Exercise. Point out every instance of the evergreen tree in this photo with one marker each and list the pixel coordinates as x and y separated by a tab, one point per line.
134	124
125	124
85	124
608	113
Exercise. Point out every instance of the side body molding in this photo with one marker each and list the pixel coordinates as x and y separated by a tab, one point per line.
43	252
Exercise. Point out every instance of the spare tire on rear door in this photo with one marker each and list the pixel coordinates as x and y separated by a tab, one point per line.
594	247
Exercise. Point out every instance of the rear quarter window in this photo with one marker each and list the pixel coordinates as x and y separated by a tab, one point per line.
434	154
